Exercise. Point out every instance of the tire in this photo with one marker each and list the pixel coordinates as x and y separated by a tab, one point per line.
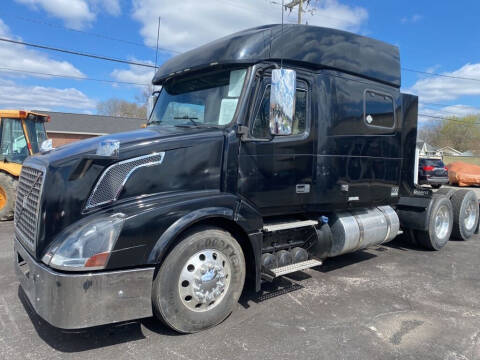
447	191
436	237
436	186
8	187
178	287
465	214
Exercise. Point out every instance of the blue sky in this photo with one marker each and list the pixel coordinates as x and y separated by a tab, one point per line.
433	36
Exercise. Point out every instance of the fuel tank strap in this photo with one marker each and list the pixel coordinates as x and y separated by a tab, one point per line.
361	230
389	223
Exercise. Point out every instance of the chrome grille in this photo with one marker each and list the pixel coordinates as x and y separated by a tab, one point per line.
113	179
27	205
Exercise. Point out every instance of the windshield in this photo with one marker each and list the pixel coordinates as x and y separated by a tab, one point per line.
13	145
36	134
205	100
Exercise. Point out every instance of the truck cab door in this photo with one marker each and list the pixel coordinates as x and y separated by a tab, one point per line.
275	173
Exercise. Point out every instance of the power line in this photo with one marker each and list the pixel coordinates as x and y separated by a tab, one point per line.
446	105
441	75
73	52
89	33
441	110
314	12
70	76
448	119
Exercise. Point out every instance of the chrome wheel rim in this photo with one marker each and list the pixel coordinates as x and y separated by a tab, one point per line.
204	280
470	215
442	222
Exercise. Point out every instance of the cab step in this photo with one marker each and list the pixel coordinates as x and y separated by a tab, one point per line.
288	225
270	274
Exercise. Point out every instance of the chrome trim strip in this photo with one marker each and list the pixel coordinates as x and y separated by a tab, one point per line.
89	206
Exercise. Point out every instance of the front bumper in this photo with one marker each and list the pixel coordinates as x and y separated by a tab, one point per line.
75	301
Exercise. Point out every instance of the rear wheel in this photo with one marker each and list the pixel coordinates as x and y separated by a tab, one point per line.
465	214
200	281
8	186
440	225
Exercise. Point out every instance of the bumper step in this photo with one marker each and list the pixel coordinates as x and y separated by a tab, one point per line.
270	274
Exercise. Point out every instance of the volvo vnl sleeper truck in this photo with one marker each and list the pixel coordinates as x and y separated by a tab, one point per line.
266	152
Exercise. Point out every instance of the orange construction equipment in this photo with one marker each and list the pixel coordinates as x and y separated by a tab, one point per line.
463	174
21	135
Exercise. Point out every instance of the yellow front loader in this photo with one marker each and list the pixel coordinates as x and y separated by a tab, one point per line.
21	135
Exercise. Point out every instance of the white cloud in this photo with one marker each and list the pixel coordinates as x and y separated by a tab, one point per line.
75	13
13	95
438	88
411	19
112	7
189	23
20	57
135	74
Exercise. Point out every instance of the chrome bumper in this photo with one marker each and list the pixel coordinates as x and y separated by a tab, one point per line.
75	301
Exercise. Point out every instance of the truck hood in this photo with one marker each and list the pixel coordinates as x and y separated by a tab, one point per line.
192	162
130	142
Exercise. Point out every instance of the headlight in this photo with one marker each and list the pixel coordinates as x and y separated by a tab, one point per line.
86	248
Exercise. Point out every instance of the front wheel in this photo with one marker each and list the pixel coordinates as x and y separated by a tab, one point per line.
200	281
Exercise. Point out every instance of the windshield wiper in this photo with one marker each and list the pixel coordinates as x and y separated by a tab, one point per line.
154	122
186	117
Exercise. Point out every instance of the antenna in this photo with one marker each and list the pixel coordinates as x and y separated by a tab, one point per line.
158	36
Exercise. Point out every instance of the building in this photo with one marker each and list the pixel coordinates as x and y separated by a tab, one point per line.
427	150
449	151
64	128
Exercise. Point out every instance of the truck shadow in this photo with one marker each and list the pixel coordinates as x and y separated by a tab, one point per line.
402	242
341	261
71	341
292	282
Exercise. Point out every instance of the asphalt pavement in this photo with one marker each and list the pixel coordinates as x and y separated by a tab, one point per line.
389	302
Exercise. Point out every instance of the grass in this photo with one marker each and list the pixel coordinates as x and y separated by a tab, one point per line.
466	159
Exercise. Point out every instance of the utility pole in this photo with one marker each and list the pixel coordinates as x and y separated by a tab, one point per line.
298	3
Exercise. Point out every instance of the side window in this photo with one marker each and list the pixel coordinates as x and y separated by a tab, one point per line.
13	142
260	127
379	109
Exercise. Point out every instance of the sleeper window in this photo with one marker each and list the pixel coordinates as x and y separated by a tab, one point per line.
379	109
261	127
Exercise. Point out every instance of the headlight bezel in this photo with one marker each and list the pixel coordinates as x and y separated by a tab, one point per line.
86	246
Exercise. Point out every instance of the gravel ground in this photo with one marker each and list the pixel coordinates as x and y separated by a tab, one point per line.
389	302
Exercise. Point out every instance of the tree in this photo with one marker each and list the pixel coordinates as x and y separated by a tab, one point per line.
429	134
119	107
461	133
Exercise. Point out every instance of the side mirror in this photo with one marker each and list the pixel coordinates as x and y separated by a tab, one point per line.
46	146
152	99
282	101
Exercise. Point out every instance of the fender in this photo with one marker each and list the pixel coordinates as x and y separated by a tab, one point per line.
414	212
167	238
242	214
13	169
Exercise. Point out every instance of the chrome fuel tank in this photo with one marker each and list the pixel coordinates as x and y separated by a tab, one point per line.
359	229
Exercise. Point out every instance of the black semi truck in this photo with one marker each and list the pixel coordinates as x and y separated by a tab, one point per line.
235	180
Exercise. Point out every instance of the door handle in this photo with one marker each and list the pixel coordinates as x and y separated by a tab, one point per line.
302	188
